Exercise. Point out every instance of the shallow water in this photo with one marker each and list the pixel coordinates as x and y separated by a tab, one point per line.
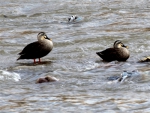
83	85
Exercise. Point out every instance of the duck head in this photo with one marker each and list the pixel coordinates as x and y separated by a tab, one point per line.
119	44
42	36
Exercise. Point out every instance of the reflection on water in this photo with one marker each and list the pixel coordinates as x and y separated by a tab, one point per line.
83	85
33	64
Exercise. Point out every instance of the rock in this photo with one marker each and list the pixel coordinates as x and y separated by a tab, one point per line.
146	59
47	79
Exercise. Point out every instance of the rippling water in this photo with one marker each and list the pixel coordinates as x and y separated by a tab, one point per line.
83	85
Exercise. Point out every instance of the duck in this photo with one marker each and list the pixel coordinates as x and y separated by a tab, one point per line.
46	79
73	18
37	49
119	52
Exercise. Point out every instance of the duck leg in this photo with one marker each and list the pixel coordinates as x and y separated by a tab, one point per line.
34	61
39	60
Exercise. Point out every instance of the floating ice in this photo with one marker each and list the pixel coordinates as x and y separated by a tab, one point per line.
11	76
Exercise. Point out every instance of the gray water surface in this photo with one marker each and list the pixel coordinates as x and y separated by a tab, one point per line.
83	86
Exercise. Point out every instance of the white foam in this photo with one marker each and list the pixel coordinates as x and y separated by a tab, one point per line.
11	76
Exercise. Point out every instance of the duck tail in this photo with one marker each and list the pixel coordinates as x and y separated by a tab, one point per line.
18	58
99	53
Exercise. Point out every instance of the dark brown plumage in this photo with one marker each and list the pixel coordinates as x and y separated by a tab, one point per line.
119	52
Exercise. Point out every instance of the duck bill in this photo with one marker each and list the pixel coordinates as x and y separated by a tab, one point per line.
125	46
47	38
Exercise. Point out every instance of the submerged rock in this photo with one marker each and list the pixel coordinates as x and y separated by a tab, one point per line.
129	76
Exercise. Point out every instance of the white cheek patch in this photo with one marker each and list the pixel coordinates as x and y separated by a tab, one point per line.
42	38
119	45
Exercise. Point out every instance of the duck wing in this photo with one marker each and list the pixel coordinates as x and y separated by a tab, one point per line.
31	51
31	48
109	54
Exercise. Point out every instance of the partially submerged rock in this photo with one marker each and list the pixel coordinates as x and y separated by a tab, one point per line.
145	59
47	79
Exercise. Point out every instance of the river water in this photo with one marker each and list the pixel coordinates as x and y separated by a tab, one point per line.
83	86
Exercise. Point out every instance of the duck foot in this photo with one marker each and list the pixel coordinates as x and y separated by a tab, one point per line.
34	61
39	60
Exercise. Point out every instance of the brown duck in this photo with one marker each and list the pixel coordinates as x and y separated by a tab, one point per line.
37	49
119	52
